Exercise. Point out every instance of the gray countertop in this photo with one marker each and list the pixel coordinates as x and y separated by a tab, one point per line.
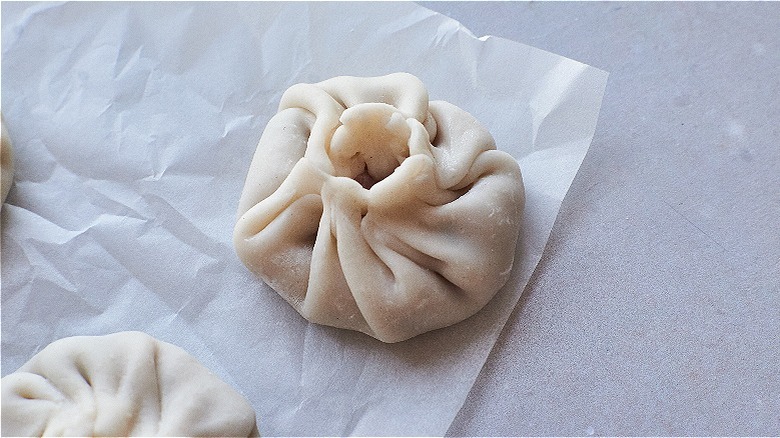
656	307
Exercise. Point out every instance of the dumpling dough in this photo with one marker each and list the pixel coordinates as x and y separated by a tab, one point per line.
369	208
123	384
6	164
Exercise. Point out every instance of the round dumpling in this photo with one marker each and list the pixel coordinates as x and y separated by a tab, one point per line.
6	164
123	384
369	208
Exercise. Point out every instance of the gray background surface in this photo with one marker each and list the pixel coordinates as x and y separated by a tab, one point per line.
656	307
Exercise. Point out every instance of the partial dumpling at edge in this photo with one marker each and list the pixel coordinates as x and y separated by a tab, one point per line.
123	384
6	164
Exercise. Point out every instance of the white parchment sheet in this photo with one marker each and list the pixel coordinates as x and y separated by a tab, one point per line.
134	125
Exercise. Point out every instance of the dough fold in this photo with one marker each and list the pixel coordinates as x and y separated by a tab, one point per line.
369	208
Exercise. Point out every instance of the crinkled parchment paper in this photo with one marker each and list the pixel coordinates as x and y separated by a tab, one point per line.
134	125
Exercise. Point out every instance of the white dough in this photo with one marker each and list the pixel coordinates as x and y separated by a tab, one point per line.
6	164
369	208
123	384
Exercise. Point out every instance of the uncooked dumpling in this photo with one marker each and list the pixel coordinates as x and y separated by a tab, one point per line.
369	208
6	164
124	384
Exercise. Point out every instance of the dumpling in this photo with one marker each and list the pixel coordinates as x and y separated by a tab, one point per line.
123	384
6	164
369	208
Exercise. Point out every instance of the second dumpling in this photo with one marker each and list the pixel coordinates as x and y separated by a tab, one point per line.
369	208
122	384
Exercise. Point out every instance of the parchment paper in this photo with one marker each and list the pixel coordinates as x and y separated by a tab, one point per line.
134	125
